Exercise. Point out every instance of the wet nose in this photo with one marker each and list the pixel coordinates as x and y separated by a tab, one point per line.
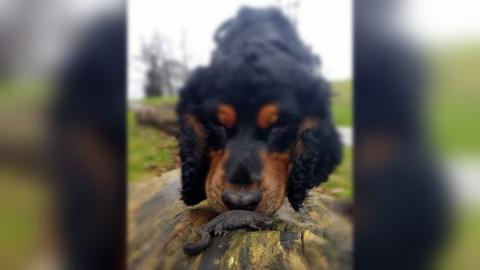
246	200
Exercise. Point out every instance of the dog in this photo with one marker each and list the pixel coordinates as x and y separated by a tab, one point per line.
255	123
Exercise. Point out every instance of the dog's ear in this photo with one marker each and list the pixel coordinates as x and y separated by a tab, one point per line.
194	157
317	152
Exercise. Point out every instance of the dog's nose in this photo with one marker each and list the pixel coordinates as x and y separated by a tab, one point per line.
246	200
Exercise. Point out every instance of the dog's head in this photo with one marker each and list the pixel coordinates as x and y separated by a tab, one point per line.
255	123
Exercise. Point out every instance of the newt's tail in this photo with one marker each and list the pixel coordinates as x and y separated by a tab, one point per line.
193	249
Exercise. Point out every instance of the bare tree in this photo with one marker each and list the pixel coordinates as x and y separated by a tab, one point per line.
164	73
151	53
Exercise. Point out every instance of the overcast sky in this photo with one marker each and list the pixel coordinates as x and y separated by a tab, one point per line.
326	25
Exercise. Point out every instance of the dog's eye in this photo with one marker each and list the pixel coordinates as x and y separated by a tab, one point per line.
274	132
222	129
217	135
281	123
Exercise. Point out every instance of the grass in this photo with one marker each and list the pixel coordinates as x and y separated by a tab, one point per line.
342	107
25	93
461	249
159	100
23	214
23	193
453	115
340	184
150	151
453	100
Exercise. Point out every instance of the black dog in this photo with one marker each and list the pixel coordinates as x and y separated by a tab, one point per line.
256	122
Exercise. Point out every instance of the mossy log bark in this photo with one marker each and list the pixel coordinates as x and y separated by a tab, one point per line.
159	224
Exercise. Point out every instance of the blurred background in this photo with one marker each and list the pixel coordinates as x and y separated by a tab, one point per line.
417	169
448	35
51	107
39	41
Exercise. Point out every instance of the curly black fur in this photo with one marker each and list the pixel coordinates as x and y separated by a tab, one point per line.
259	59
194	166
321	154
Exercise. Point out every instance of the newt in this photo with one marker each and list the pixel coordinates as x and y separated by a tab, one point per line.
224	222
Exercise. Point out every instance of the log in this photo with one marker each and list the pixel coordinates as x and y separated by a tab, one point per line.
162	117
159	224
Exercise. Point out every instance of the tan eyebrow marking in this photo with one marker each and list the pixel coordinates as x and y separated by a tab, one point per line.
267	115
307	123
226	115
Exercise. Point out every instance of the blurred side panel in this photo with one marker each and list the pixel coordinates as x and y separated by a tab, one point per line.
401	199
62	134
89	148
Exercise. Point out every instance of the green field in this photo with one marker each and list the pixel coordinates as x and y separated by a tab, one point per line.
151	151
462	243
340	183
342	103
158	100
453	109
